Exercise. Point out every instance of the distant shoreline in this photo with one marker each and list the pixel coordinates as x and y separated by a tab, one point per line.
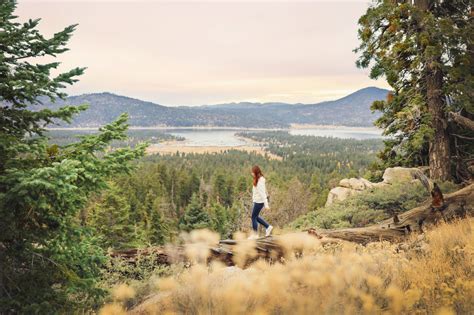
292	127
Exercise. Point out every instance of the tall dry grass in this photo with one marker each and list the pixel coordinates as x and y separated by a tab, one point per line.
429	274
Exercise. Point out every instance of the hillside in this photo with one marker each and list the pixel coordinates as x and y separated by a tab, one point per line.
105	107
427	272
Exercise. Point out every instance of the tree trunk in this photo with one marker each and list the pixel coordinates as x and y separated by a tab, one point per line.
439	149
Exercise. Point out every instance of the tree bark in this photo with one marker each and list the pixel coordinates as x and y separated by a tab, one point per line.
439	148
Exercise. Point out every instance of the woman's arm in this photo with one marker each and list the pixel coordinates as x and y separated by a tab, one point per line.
263	191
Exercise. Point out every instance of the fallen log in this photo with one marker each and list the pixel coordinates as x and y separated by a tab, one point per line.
455	205
458	204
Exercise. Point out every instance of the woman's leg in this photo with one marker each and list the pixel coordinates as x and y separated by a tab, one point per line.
257	207
263	222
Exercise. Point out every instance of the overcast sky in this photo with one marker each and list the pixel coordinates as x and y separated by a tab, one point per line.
195	52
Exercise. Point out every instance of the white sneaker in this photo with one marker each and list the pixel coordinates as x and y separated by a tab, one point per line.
253	236
268	231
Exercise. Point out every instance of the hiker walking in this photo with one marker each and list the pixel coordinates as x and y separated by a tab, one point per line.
260	201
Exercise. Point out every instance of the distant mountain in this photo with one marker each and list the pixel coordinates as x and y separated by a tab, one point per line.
351	110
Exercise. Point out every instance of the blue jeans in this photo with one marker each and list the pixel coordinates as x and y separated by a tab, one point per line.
257	207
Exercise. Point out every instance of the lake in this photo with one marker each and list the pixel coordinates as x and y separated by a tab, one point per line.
227	137
208	137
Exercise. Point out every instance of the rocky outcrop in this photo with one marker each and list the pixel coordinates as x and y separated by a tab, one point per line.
351	186
394	175
356	183
339	194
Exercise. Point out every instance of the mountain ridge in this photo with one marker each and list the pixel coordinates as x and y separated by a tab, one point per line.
104	107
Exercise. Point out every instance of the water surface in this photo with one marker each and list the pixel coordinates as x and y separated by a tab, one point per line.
227	137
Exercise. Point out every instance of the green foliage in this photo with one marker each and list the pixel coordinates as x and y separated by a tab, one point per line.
318	193
194	216
222	183
224	189
111	220
366	208
409	44
221	220
155	226
49	262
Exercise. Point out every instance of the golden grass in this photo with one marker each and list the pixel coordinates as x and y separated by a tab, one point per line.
169	148
429	274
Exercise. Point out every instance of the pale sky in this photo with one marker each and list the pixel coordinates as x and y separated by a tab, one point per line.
196	52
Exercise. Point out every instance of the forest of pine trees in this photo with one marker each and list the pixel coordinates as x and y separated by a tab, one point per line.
168	194
65	204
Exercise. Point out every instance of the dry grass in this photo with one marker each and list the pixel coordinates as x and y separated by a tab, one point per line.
429	274
173	147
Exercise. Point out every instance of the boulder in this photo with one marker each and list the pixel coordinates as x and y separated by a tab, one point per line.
339	194
350	186
355	183
345	183
394	175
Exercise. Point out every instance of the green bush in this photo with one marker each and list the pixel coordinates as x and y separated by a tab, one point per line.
368	207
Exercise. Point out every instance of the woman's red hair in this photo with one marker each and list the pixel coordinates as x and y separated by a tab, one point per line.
257	173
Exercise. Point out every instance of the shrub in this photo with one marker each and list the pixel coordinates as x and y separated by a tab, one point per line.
368	207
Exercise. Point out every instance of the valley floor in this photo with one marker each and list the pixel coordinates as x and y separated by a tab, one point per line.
171	147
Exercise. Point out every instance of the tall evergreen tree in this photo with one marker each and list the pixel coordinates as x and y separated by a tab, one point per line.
424	48
318	194
219	219
223	189
110	218
49	263
154	223
194	216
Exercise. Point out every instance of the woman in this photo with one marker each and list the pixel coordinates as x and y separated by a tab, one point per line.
260	201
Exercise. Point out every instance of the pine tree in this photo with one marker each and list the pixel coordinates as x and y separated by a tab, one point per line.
158	228
194	216
424	50
318	194
49	263
154	224
224	189
242	184
219	188
110	218
219	219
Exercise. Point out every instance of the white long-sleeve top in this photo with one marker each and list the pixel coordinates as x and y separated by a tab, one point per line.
259	193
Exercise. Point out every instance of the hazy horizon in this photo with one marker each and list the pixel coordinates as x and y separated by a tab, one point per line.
199	53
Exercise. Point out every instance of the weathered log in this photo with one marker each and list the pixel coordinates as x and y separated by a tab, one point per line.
455	205
162	255
440	208
462	120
